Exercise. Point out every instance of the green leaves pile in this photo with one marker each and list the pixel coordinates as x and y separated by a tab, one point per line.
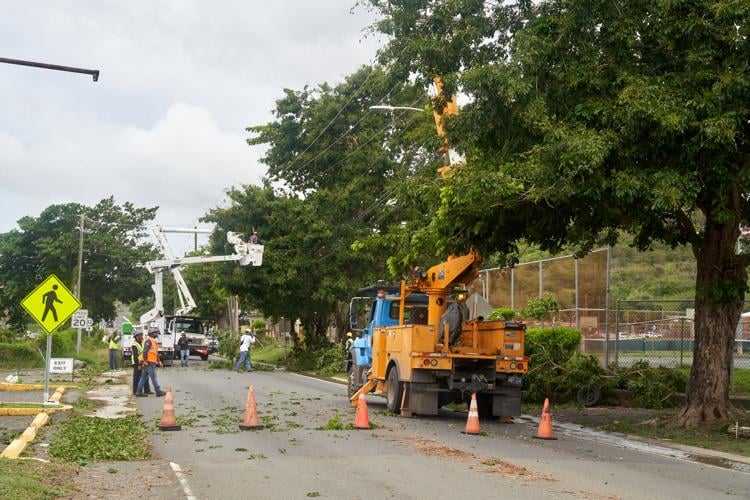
87	439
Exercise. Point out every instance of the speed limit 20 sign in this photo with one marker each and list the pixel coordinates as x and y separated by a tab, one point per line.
80	319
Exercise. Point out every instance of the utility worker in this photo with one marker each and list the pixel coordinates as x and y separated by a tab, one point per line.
136	358
150	360
349	340
114	350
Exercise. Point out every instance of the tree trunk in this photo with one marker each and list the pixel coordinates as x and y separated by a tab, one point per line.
720	287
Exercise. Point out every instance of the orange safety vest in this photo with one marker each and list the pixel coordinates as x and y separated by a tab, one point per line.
152	355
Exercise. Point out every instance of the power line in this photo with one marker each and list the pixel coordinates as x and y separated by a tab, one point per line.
332	120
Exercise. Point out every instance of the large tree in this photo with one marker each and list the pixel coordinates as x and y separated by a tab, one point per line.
114	249
336	168
588	117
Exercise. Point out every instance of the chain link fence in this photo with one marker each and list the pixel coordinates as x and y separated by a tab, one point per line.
662	332
579	286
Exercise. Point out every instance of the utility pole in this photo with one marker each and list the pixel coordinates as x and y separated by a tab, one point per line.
78	285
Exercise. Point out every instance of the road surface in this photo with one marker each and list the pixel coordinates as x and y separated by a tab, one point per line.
295	457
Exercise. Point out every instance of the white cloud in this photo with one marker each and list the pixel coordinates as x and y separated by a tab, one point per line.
180	81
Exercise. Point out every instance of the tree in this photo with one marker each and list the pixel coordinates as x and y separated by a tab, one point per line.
338	166
113	251
587	117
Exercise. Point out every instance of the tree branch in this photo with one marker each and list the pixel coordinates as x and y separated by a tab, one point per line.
688	228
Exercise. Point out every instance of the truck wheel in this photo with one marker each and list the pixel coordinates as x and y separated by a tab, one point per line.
204	358
395	389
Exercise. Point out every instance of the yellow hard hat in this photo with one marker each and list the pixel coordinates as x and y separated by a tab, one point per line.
349	334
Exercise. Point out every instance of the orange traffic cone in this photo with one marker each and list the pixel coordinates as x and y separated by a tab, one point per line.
251	415
545	423
168	418
472	422
361	420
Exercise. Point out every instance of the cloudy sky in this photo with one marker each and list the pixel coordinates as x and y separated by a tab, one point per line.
180	81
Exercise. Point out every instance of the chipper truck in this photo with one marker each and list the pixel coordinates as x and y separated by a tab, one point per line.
418	351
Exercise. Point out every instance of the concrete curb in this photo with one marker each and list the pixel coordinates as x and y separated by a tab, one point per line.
4	386
16	447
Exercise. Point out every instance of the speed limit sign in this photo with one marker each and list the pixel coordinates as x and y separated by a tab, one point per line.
80	318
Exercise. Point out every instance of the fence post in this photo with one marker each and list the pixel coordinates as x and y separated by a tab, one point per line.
617	333
682	339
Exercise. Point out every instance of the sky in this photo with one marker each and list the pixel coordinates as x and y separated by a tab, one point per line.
180	81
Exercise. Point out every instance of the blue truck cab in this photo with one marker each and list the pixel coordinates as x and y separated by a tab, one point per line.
378	307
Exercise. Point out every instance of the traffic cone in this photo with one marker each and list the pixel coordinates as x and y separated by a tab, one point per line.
251	420
545	423
361	420
472	422
168	418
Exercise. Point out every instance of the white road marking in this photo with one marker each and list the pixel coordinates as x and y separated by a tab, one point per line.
183	481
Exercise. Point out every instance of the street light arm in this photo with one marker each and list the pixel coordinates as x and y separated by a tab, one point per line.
396	108
93	72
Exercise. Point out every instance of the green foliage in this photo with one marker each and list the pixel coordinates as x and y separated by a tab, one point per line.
540	308
554	344
114	247
19	354
229	346
651	387
556	369
505	313
87	439
259	327
325	361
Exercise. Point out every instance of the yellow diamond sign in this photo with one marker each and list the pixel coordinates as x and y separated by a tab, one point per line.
51	304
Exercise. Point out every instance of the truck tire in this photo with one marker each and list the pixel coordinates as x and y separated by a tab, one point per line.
395	389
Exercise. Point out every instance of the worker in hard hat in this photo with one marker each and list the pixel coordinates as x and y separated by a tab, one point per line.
136	359
150	361
349	340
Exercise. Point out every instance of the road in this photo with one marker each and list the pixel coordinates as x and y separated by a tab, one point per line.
402	458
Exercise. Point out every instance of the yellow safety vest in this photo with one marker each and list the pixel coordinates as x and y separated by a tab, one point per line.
139	350
113	344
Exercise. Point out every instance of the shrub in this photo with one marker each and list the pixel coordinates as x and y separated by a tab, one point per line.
19	354
327	360
555	367
540	308
651	387
505	313
557	344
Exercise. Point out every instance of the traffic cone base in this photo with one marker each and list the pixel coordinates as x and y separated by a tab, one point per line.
545	423
472	422
168	418
251	421
361	419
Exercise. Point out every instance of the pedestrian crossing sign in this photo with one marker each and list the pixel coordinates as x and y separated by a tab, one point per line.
51	304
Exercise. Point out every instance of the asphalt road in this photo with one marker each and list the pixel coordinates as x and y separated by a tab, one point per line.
402	458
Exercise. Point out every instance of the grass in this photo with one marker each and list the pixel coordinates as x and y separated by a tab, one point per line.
270	353
85	439
714	439
29	479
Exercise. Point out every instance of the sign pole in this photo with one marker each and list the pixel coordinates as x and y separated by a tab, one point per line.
46	368
78	285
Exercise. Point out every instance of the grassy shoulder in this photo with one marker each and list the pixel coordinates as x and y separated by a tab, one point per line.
654	425
30	479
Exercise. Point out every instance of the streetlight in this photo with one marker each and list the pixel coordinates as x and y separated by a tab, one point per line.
93	72
396	108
